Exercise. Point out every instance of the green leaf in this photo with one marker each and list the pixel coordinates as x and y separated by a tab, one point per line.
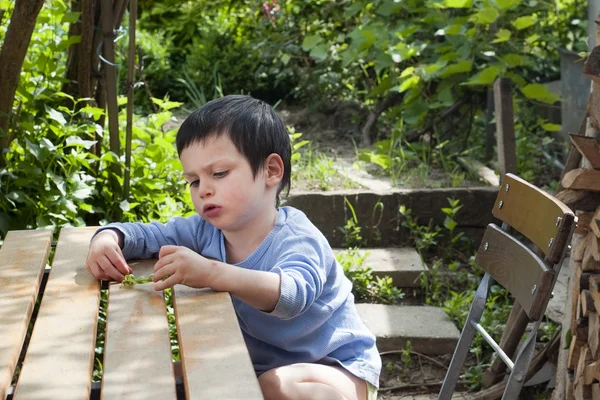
310	42
83	191
95	112
532	39
319	52
56	116
486	15
524	22
383	87
285	59
551	127
458	3
507	4
502	36
79	142
353	9
407	72
449	223
34	149
459	67
539	92
388	8
485	77
409	83
70	17
124	205
516	60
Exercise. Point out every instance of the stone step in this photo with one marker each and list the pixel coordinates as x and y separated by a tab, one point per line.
402	264
429	330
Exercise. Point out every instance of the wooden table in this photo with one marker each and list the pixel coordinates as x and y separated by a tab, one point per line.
137	358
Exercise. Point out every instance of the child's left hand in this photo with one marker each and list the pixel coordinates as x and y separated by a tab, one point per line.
181	265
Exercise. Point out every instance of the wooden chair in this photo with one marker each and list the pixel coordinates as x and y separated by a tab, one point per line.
529	277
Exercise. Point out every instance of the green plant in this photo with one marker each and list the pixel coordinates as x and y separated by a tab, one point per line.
406	357
100	337
352	230
365	287
175	352
423	236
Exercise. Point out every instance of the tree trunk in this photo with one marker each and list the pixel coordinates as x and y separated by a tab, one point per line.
80	74
12	57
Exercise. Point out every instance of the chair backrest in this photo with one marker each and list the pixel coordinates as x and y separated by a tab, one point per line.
517	269
535	214
545	221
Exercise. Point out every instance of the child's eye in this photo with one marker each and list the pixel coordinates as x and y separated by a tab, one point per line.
220	174
194	183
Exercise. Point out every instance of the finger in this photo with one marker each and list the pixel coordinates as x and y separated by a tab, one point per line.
166	250
167	283
96	271
163	261
110	269
165	271
118	261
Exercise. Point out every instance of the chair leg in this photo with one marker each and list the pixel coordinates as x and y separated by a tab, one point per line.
465	339
519	372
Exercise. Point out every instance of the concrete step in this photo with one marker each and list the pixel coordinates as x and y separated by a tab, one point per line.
429	330
402	264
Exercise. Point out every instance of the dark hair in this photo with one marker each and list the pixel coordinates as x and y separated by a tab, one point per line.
252	125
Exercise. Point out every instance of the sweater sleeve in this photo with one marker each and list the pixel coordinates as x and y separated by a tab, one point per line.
145	240
302	267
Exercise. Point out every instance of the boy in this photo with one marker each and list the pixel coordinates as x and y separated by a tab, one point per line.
293	302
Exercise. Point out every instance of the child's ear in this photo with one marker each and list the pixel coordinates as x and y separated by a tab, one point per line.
273	169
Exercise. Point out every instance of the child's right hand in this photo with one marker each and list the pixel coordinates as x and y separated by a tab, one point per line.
105	259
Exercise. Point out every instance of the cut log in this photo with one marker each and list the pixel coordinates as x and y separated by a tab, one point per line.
591	259
579	250
569	388
591	68
584	359
589	148
582	179
596	391
582	391
587	303
575	348
584	219
579	199
595	223
591	373
593	334
594	248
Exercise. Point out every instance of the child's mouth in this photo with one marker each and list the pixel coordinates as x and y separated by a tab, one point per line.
212	211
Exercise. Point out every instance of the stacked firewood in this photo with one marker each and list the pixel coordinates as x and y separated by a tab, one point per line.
584	349
578	366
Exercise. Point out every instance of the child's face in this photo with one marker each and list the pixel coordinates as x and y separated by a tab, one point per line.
223	188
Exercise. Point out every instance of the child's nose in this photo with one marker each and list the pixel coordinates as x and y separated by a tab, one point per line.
206	190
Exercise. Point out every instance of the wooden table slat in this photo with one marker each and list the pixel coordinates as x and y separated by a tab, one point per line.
60	358
24	255
137	355
213	351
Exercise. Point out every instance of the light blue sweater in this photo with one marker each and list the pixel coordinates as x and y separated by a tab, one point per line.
315	319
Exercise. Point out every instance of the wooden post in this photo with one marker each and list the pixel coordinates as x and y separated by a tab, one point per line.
505	126
110	74
130	83
490	139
